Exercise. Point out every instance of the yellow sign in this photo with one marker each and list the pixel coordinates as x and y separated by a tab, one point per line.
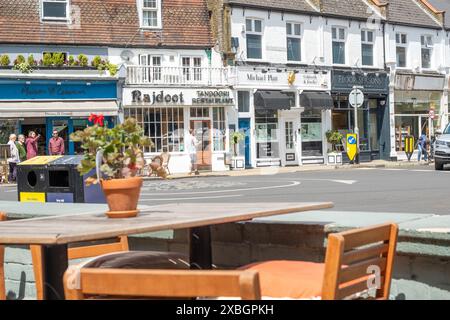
352	146
39	160
291	78
32	197
409	146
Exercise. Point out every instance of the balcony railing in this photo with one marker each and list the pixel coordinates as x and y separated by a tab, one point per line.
184	76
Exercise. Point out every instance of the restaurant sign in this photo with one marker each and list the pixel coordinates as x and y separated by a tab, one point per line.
177	97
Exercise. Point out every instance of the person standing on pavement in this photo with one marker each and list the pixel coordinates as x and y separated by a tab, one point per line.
422	144
14	159
32	144
192	143
20	144
56	145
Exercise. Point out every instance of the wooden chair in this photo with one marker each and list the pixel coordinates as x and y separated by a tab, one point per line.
117	283
2	261
351	257
120	245
163	159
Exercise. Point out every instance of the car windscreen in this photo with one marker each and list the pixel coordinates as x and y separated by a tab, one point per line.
447	130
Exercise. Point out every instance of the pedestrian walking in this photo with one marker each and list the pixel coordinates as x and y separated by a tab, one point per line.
32	144
20	144
56	145
14	159
422	144
192	143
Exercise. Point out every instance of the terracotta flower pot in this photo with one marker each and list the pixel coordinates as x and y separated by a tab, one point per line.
122	196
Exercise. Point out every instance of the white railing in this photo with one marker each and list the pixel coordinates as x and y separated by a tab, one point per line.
186	76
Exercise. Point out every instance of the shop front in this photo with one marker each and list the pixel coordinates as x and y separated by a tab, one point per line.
270	115
167	115
373	115
43	106
415	98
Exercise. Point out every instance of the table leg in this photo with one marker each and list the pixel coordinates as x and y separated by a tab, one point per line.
200	248
55	263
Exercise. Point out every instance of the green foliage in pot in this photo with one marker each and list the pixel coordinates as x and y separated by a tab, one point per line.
31	61
235	138
71	61
122	147
112	68
334	138
82	60
97	61
47	60
19	60
58	59
24	67
4	60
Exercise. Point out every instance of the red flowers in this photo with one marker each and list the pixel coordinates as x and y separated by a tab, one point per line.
97	119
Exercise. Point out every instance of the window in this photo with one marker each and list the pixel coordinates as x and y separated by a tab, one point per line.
266	133
289	134
55	10
152	70
294	40
427	50
367	47
199	112
219	129
151	13
164	126
254	38
338	35
244	101
401	41
192	68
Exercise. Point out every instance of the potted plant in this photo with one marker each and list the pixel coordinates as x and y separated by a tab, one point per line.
117	156
237	161
334	155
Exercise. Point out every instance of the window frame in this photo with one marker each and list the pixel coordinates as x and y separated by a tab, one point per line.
158	11
344	41
55	19
192	72
255	33
401	45
294	36
367	42
425	47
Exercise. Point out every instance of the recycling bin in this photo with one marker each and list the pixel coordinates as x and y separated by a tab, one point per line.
32	179
56	179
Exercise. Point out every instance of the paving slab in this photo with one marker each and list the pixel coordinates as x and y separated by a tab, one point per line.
438	224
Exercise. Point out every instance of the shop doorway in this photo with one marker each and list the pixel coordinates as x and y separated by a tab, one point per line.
39	128
244	127
202	131
64	128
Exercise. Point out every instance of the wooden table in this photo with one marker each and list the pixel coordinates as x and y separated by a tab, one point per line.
55	233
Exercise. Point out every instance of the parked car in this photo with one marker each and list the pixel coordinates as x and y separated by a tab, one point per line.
442	149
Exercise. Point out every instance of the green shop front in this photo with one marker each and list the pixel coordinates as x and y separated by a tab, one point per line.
373	115
64	105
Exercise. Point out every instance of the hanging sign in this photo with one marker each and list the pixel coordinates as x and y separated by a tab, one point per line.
352	146
409	146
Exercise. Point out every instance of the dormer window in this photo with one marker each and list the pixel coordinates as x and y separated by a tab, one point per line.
151	13
55	10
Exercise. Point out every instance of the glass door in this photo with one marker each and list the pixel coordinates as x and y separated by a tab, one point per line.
63	126
202	131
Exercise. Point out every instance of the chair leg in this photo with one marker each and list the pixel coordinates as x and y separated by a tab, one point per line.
36	255
2	274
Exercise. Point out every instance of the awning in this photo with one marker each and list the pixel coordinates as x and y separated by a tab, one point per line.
25	109
316	100
274	100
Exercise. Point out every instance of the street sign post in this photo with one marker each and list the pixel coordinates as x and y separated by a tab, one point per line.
409	146
356	100
352	146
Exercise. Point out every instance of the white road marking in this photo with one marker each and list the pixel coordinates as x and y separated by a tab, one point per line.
293	184
193	198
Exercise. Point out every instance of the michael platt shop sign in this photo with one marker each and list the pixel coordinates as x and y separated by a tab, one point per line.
177	97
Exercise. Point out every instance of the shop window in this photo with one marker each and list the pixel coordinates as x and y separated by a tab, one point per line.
427	50
199	112
401	41
338	35
254	38
294	40
267	143
244	101
164	126
367	42
219	129
311	133
55	10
